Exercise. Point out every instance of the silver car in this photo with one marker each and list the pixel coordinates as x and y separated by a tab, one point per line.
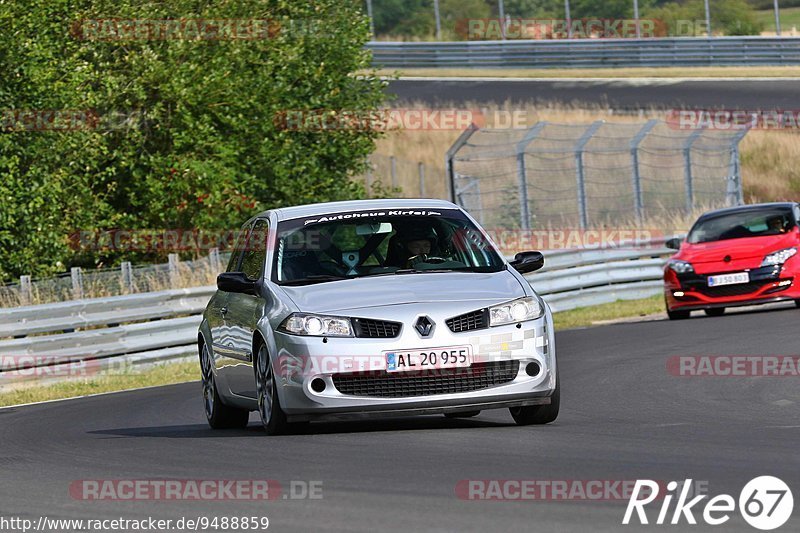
374	308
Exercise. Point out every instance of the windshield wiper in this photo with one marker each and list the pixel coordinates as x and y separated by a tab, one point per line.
316	278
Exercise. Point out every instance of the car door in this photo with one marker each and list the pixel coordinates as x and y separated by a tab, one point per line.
244	312
222	339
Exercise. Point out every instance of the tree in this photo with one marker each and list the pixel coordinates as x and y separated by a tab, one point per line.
203	145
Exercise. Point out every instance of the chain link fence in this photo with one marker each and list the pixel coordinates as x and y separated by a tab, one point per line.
597	175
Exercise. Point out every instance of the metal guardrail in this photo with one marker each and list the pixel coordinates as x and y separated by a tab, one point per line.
591	53
47	343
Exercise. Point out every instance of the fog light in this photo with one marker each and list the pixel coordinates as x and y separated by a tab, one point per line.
785	283
318	384
677	294
533	369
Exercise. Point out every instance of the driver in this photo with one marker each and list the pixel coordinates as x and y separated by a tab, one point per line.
417	244
776	224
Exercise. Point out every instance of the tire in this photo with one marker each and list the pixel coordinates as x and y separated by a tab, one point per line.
714	311
538	414
465	414
797	303
269	406
218	415
678	315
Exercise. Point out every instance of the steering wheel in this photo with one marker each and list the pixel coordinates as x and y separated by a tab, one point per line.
425	258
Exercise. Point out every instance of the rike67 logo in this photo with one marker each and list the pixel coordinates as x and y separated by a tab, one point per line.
765	503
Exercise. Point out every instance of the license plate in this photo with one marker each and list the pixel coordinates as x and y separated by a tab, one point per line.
410	360
728	279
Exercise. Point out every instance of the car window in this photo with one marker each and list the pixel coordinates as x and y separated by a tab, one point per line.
256	252
238	249
743	224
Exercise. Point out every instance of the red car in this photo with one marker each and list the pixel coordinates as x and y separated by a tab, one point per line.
740	255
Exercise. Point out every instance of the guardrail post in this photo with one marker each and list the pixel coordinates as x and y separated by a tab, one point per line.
173	270
638	203
687	169
450	155
581	183
522	145
25	290
421	168
735	193
77	283
126	272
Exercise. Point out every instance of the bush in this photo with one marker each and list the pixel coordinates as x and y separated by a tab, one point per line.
202	147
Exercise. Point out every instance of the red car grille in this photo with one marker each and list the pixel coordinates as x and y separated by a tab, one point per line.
734	290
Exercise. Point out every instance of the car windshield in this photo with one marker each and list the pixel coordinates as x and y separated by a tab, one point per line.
358	244
741	224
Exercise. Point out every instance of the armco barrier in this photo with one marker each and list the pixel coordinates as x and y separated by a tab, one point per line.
589	53
127	331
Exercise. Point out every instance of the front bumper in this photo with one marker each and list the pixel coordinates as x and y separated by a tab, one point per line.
301	361
767	284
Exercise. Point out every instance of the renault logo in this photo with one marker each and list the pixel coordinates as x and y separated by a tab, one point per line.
424	326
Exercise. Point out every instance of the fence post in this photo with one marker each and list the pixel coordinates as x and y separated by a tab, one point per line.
77	283
522	175
393	170
214	260
369	179
451	153
25	290
735	191
127	276
687	169
173	270
638	203
421	168
581	182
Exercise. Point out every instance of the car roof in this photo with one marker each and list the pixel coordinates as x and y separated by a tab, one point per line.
299	211
744	208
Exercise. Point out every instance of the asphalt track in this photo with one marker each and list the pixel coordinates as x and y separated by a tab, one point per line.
623	417
661	93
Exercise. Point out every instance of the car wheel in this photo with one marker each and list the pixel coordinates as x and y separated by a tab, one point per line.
219	415
678	315
538	414
466	414
715	311
269	406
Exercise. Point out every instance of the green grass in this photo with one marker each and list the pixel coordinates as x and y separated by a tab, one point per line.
170	373
588	316
790	16
165	374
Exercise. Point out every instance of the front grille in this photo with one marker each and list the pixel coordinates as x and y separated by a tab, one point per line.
440	381
733	290
376	329
469	321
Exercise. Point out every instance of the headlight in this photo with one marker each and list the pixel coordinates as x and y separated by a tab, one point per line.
680	267
779	257
516	311
316	325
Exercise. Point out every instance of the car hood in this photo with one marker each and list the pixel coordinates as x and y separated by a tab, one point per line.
379	291
748	248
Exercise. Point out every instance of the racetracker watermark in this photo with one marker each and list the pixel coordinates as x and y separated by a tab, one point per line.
734	119
734	366
535	28
192	29
765	503
54	366
193	490
67	120
555	489
424	119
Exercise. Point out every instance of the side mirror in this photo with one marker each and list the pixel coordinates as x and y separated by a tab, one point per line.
236	282
673	244
526	262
